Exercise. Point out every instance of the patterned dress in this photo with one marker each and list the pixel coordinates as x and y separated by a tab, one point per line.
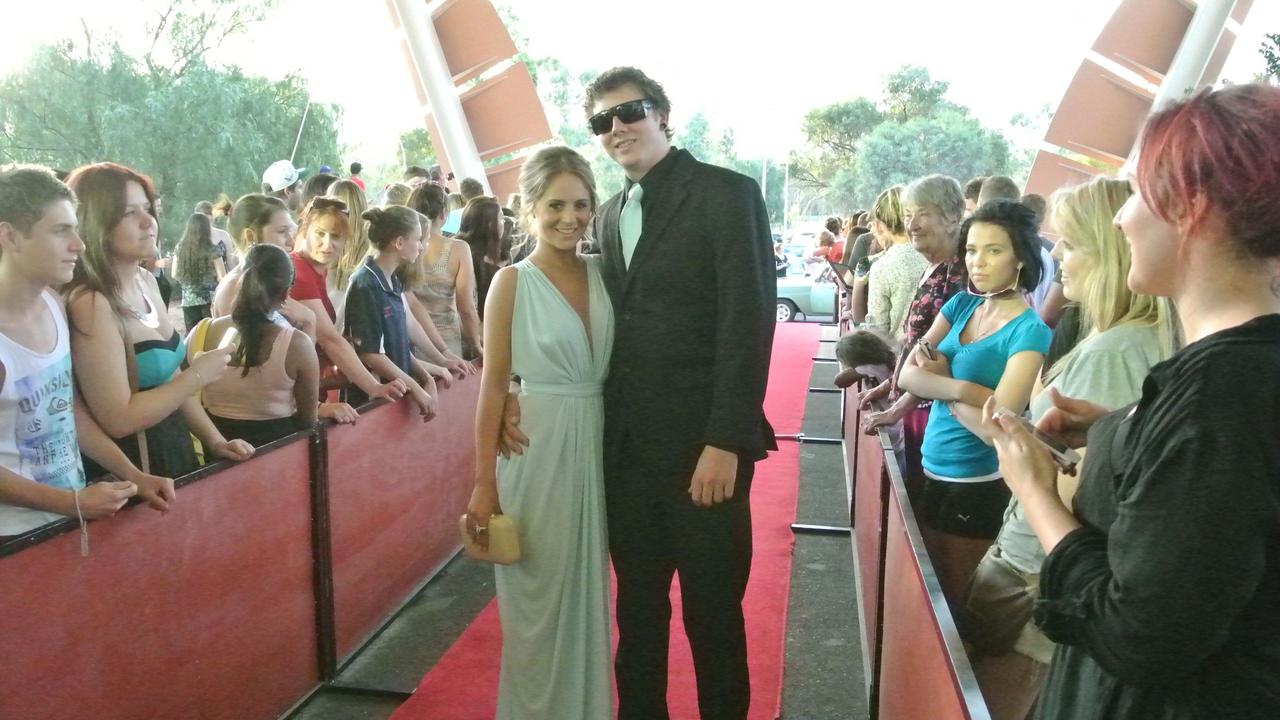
892	284
438	292
936	288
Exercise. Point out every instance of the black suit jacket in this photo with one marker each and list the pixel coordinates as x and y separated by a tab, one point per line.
695	320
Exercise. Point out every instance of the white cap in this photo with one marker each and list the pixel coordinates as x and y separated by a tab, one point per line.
280	175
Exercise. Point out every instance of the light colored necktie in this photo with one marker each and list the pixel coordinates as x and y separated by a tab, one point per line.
629	223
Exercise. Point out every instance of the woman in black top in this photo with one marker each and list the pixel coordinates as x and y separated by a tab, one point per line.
1163	588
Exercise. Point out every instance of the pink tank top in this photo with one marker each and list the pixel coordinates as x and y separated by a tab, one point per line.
266	393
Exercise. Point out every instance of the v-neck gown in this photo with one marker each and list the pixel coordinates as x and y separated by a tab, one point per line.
554	603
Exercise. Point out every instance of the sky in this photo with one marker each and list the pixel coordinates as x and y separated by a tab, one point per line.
757	73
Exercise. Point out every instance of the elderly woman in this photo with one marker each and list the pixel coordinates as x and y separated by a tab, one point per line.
933	208
1161	588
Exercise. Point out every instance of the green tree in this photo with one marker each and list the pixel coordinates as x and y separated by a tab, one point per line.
695	135
860	147
1271	52
833	132
910	93
416	148
197	130
897	153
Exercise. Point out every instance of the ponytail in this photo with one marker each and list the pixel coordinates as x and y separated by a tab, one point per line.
267	277
387	224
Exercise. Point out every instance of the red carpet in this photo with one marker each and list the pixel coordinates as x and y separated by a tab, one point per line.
463	685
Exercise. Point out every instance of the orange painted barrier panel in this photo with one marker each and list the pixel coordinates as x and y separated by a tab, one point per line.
396	488
208	611
868	535
924	672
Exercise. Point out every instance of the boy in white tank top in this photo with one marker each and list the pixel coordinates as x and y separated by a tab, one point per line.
42	424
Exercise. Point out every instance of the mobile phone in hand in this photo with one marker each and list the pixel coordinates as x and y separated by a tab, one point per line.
1064	456
927	349
228	338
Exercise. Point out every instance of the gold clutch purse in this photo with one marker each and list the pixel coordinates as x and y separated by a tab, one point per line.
504	545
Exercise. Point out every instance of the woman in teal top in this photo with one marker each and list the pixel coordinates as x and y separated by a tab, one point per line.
125	351
987	342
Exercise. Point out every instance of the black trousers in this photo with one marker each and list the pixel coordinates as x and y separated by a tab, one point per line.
655	532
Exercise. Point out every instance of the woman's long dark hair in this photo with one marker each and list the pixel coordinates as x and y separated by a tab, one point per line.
481	229
267	277
430	200
100	190
194	262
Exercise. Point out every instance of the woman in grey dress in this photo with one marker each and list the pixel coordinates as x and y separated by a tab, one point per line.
551	323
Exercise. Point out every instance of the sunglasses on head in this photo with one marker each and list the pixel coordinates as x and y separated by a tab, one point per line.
627	112
324	203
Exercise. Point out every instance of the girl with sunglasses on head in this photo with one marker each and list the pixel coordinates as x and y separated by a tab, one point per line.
273	385
127	355
318	247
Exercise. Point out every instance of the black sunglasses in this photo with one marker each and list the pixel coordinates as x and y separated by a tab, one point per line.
324	203
627	112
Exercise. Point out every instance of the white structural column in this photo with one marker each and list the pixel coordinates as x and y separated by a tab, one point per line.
1194	52
1191	60
428	58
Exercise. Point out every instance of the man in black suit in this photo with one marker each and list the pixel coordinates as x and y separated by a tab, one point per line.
689	266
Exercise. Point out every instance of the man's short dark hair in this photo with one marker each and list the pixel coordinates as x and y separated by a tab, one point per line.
1019	223
26	192
973	188
617	77
356	168
470	188
415	171
999	187
1038	205
833	224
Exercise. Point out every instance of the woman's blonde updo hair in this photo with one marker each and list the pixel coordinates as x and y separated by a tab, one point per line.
888	210
538	172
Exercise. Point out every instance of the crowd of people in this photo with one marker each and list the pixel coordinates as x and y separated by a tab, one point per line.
299	302
1148	333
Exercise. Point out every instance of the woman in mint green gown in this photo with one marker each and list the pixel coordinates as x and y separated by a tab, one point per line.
548	320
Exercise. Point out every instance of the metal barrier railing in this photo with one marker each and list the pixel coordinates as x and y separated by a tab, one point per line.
916	666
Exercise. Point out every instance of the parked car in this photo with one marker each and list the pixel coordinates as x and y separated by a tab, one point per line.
806	296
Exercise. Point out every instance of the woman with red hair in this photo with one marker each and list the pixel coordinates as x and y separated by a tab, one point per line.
1163	587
